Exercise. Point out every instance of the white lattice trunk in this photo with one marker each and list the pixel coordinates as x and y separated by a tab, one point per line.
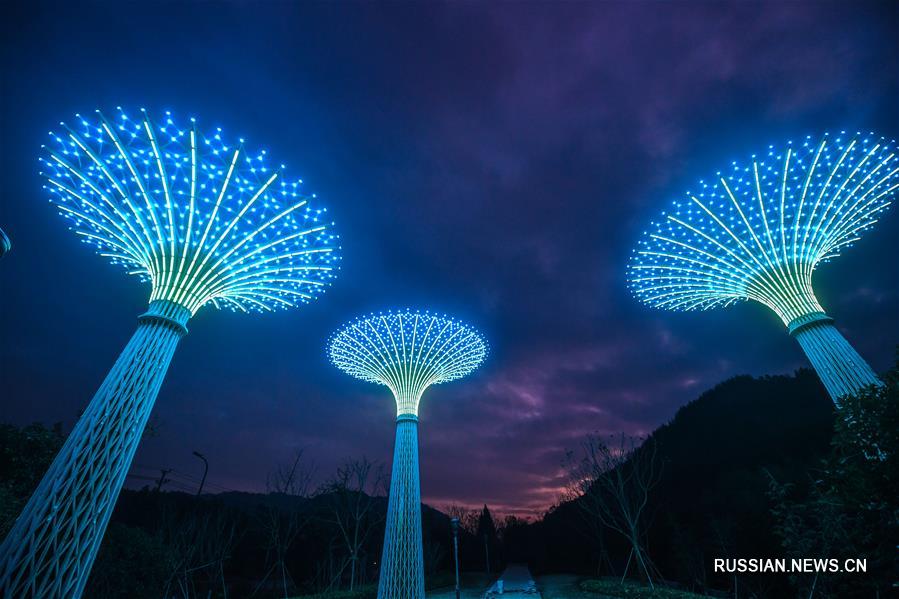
53	543
839	366
402	562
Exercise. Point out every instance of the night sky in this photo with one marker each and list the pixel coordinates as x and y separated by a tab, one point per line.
497	162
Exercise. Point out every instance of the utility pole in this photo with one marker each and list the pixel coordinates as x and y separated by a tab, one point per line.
162	479
454	523
205	471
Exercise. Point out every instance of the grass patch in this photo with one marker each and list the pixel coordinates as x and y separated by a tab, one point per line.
630	590
437	581
467	580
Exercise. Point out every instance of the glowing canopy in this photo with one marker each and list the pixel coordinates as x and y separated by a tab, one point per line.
407	351
202	219
758	231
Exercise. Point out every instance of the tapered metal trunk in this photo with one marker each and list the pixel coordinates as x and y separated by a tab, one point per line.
402	562
839	366
52	545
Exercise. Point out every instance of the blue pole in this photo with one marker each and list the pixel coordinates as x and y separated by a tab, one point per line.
842	370
402	561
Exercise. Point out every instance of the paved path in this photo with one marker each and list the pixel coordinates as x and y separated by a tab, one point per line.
473	586
515	582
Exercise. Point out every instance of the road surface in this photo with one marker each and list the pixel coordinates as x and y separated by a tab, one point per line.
516	582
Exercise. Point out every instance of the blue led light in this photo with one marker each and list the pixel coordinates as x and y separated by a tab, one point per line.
407	351
758	231
204	221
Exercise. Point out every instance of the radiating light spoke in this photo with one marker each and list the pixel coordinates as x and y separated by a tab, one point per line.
407	351
204	221
759	232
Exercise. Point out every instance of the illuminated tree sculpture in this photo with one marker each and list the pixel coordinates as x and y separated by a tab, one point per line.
757	232
204	222
406	351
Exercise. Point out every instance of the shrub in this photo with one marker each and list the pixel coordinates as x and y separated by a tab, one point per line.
629	590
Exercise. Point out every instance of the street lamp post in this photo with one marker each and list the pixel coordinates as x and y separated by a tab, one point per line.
455	526
205	471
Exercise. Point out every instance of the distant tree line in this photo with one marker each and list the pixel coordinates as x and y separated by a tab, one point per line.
300	537
755	467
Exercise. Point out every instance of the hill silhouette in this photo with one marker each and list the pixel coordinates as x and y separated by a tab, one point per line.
718	454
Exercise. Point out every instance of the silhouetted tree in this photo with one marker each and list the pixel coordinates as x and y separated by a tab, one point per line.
216	537
849	507
131	564
350	494
579	490
616	480
468	518
486	532
282	523
25	454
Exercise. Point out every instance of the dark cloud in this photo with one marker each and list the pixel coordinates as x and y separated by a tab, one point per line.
496	162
